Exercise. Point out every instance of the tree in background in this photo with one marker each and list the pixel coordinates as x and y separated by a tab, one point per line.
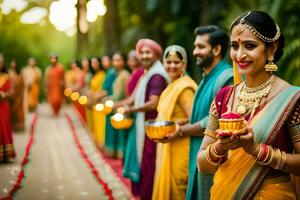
82	29
166	21
111	27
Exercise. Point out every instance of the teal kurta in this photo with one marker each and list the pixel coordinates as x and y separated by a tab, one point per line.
222	74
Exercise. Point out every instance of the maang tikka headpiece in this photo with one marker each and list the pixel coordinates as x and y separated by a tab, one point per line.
172	51
242	25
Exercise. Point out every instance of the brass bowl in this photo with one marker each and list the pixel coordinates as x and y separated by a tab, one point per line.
119	121
159	129
234	126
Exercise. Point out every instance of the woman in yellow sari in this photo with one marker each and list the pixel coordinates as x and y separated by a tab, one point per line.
175	104
258	162
98	119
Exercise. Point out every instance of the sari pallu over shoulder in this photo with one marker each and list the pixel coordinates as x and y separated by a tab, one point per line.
245	180
166	184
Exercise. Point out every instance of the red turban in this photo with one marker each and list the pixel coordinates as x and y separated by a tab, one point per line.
151	44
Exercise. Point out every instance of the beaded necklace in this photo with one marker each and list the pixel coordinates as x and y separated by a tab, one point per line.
250	98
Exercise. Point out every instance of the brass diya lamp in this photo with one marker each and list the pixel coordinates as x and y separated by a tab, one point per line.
120	120
105	108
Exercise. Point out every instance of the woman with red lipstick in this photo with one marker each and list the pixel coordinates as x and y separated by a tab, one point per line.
264	162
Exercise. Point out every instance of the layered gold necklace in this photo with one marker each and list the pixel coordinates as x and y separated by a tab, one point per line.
250	98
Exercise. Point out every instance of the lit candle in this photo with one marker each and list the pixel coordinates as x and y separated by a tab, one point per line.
99	106
82	100
68	92
109	103
75	96
118	117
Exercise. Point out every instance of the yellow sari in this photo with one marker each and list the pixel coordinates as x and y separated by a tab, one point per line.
240	177
171	175
96	120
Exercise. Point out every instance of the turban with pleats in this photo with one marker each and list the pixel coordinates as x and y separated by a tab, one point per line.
151	44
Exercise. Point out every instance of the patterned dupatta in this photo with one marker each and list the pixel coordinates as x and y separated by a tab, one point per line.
245	180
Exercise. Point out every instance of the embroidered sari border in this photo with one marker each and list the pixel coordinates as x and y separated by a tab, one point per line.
255	177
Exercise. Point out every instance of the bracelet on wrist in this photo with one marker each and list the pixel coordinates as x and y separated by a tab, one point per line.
209	159
216	153
275	158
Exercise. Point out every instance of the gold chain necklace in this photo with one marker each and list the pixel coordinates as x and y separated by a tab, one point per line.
250	98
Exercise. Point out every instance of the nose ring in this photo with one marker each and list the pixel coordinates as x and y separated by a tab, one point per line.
244	55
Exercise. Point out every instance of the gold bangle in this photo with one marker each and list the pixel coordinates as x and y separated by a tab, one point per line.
271	157
281	160
278	159
208	158
215	153
259	152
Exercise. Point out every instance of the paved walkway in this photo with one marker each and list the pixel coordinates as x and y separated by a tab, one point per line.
56	169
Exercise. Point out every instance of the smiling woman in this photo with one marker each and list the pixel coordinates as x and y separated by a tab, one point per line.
259	163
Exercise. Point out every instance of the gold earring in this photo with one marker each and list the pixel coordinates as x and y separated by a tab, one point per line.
271	66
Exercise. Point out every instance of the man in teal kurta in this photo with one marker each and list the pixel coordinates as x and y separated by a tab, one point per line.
211	45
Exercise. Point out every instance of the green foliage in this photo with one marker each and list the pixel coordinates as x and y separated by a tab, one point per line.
23	40
166	21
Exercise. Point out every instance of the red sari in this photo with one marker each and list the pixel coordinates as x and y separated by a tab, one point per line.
6	141
55	87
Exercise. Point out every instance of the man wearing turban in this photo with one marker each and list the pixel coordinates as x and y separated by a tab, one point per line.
140	155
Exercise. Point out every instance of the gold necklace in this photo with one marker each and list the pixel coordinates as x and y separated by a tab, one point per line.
249	98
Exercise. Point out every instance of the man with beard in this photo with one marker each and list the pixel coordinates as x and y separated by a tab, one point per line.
140	153
211	45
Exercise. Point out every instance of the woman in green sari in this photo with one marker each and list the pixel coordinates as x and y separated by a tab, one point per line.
115	139
257	164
